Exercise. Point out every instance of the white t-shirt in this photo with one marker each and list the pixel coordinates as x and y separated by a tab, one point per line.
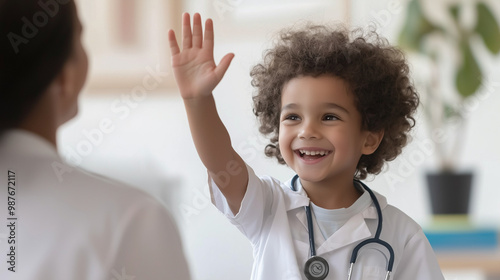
330	220
78	226
272	217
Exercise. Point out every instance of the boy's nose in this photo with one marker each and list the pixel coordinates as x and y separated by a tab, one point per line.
309	130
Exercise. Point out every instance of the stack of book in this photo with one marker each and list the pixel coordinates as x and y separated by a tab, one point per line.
449	232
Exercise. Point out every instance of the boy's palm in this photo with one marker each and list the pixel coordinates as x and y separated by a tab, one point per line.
194	67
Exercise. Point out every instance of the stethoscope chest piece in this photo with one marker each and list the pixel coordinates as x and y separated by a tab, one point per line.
316	268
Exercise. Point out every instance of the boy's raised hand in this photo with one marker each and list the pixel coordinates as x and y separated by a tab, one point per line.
194	67
197	75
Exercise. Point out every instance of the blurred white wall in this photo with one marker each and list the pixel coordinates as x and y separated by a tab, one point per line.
150	146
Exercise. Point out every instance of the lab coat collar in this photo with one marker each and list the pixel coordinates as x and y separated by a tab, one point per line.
22	142
299	198
354	230
371	211
295	199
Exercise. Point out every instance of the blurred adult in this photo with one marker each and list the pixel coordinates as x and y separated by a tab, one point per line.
63	222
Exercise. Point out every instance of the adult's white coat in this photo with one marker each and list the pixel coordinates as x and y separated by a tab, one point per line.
74	225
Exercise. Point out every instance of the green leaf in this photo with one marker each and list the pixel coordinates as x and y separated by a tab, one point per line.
487	27
468	78
415	28
454	12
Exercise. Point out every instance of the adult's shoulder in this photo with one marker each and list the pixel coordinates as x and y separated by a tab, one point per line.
143	235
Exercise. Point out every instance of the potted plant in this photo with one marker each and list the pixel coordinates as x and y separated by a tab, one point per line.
449	189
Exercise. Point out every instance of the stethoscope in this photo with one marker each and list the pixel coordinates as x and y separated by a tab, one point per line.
317	268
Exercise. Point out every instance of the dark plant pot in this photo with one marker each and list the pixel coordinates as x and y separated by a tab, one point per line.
450	192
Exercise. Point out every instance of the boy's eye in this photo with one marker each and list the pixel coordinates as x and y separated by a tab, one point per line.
330	118
292	117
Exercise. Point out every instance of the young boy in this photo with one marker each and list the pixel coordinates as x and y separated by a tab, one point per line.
336	108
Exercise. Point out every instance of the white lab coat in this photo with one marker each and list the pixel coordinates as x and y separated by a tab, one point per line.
272	217
83	227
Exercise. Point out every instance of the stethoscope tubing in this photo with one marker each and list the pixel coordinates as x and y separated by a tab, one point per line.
310	228
376	238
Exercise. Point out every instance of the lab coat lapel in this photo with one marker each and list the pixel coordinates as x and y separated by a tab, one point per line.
299	199
295	199
301	235
354	230
318	237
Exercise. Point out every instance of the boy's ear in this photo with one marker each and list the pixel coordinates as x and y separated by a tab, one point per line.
372	141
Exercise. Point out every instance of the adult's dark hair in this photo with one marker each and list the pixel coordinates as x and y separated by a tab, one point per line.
377	75
36	40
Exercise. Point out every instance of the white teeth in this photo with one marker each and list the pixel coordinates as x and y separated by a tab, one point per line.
313	153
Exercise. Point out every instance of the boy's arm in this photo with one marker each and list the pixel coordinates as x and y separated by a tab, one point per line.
197	75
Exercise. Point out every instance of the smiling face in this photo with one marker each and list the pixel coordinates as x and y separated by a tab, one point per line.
320	134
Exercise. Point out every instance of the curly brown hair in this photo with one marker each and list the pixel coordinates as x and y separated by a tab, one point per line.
376	73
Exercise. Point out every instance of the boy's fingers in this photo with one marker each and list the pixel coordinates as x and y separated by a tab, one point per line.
209	35
174	47
197	31
186	32
221	69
